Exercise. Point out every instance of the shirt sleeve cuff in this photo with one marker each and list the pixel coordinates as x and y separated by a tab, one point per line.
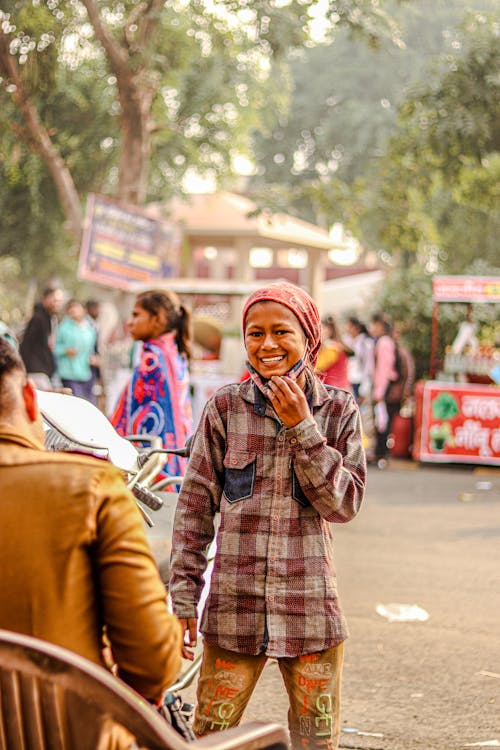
305	435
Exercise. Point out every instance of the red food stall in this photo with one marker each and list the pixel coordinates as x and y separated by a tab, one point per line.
458	420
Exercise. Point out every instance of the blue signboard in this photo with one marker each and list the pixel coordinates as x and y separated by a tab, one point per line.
124	247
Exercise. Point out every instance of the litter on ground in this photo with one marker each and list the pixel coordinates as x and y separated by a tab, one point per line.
352	730
402	612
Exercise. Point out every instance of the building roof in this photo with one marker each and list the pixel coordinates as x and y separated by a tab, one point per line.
225	214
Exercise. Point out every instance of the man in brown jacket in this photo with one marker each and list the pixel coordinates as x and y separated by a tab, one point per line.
74	558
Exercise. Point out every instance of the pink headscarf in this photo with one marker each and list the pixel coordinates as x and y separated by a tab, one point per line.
302	306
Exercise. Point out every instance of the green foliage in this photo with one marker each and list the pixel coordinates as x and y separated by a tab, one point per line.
400	143
320	116
11	289
436	195
344	103
215	72
32	37
456	115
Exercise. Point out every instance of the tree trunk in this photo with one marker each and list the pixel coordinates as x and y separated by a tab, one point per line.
136	100
137	86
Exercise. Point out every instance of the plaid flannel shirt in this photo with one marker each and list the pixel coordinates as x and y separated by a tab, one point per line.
278	490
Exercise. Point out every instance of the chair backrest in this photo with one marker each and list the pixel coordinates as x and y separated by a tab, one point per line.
53	699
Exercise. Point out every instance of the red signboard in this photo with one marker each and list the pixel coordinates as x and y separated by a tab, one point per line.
458	423
466	288
125	247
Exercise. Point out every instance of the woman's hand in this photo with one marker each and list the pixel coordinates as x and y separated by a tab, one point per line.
190	636
288	399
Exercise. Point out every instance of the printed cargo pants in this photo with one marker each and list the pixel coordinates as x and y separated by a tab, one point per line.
312	681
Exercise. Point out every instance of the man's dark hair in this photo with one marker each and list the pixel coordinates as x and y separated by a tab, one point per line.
9	361
92	307
384	319
356	322
49	290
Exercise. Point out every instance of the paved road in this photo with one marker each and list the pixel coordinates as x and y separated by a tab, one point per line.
428	537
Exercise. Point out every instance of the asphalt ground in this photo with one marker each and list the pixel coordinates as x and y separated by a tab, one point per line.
427	536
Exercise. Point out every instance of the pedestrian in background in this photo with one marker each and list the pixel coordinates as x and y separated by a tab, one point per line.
74	349
361	359
156	400
92	316
361	368
385	373
408	363
332	365
279	458
38	340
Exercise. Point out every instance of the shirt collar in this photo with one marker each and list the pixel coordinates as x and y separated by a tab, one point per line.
24	438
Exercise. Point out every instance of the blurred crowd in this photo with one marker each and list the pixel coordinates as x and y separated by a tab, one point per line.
60	349
59	346
371	361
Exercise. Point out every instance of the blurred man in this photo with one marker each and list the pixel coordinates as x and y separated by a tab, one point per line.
73	552
92	307
38	339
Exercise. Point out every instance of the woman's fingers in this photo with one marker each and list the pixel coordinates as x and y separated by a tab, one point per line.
190	630
288	400
285	387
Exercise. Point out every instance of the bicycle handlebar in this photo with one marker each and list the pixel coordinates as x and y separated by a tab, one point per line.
182	452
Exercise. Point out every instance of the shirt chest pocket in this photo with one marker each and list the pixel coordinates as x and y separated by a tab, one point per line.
298	493
239	475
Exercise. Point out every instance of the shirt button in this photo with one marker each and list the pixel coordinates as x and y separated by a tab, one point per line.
273	558
275	517
271	598
293	440
278	476
234	460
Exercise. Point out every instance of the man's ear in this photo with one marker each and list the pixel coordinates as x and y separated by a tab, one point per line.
30	402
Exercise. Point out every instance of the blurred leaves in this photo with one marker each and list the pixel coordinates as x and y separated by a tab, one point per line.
215	71
399	144
436	193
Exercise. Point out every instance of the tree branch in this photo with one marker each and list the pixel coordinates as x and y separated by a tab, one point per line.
38	139
148	24
117	56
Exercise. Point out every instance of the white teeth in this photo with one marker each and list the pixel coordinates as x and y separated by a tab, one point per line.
272	359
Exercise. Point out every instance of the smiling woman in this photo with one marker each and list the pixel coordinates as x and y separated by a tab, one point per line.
280	458
274	339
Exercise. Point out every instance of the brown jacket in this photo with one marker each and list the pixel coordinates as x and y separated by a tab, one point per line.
74	558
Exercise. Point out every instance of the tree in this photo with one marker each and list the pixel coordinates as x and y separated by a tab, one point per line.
436	195
353	147
344	104
177	77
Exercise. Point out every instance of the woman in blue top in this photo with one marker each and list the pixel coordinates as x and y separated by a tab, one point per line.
74	351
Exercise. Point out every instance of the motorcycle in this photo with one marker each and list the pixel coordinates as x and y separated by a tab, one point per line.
73	424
